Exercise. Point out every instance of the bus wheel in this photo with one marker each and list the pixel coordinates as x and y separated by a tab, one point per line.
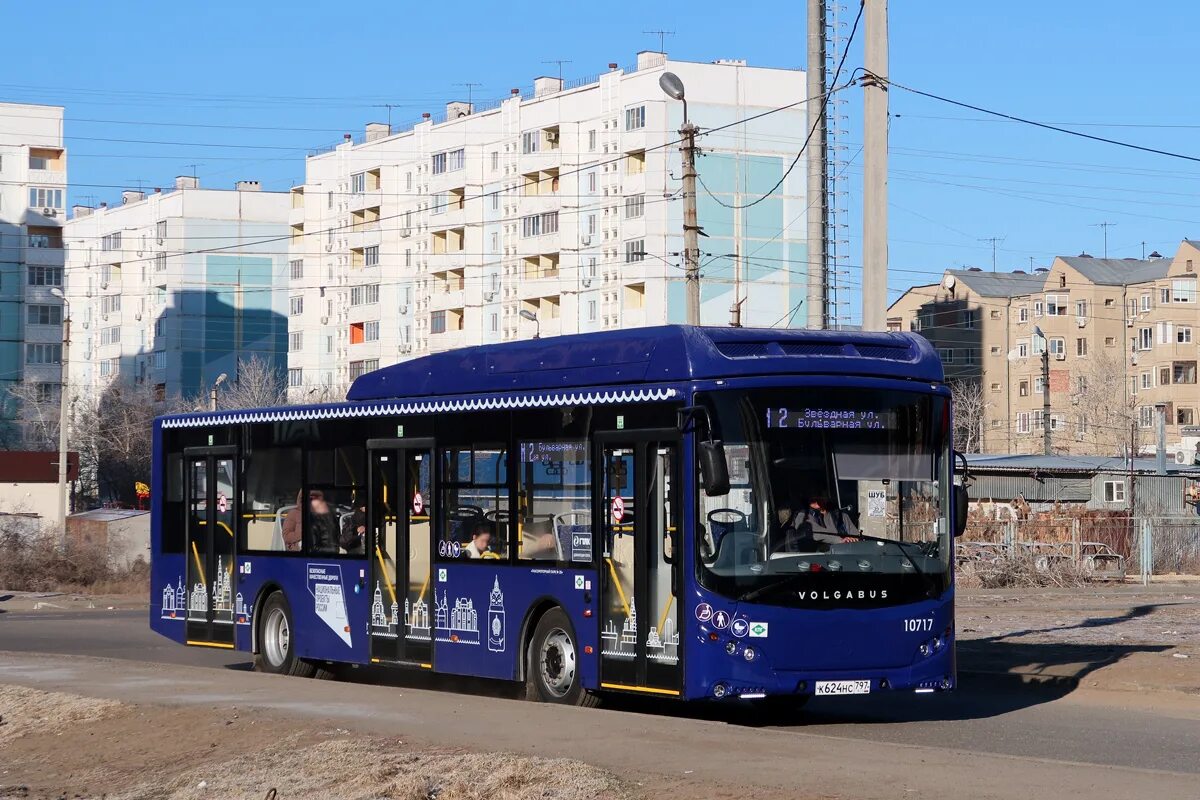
277	642
552	670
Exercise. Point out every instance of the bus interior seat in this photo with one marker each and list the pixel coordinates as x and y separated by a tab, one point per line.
735	551
277	535
566	525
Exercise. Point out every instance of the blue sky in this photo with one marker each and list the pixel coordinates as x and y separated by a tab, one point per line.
244	89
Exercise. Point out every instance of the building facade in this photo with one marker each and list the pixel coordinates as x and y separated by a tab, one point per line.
170	290
553	211
1121	335
33	187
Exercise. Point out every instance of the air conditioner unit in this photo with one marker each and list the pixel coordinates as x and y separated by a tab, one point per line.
87	325
489	296
1060	356
104	317
159	241
403	309
49	212
1081	321
104	284
137	317
405	232
1129	323
585	240
587	282
324	320
328	248
1180	457
551	137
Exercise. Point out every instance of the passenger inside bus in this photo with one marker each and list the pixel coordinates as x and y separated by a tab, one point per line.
322	527
354	530
481	540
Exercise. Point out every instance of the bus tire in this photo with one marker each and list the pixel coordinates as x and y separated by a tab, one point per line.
552	663
276	642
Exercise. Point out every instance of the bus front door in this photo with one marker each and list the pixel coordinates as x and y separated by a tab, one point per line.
640	643
399	546
211	521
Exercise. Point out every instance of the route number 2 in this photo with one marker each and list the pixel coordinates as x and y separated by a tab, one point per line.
911	625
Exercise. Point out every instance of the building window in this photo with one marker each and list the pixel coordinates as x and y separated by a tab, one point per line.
297	269
635	206
110	303
160	359
43	353
42	197
160	327
1110	341
635	118
495	160
591	181
357	368
364	295
1164	295
1058	347
531	226
295	341
1145	416
495	322
438	163
1037	308
1023	314
160	262
358	183
371	331
1145	338
371	256
1183	336
591	311
110	335
1023	389
297	306
947	355
295	377
591	141
1081	347
1039	385
995	314
110	242
1184	416
550	222
1183	290
1147	380
1183	372
1081	309
1056	305
1145	303
44	315
1039	345
970	319
456	159
531	141
635	251
1023	422
1114	491
1022	349
437	322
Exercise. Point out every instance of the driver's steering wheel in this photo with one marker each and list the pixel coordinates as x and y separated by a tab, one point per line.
739	517
708	543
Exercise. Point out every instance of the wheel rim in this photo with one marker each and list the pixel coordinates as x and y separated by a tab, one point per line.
277	637
557	662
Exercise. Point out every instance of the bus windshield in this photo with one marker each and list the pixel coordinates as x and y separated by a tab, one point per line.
838	497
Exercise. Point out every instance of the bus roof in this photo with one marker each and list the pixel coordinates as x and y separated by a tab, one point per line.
651	355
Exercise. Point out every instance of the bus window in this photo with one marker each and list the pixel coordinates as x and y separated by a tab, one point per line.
272	488
554	520
173	517
338	473
475	508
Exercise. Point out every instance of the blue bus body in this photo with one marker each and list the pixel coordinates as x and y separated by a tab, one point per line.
727	614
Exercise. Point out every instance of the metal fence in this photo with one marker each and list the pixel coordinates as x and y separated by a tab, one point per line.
1149	545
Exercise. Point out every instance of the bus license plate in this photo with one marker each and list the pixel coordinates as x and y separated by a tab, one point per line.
843	687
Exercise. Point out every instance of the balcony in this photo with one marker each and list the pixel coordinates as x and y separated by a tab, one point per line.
296	215
47	177
365	199
44	256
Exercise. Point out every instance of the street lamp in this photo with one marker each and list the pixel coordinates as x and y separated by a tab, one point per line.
672	86
212	395
64	502
1037	329
532	317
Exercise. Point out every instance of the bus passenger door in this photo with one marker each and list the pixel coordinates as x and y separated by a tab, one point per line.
212	496
399	544
640	643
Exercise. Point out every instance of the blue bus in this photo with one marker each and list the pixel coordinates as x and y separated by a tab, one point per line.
676	511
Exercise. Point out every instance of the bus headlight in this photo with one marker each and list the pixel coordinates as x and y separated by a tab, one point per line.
749	654
731	648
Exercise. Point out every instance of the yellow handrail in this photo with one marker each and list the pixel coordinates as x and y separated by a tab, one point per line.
383	571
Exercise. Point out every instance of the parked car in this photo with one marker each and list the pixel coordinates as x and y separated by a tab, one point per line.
1047	555
970	554
1101	562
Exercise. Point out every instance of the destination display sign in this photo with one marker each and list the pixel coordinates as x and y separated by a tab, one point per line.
815	418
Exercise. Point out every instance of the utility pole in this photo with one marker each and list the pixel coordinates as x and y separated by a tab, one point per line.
875	167
818	166
63	487
673	87
1160	455
1104	226
995	240
1045	390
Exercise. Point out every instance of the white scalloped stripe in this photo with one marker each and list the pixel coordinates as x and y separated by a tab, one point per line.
432	407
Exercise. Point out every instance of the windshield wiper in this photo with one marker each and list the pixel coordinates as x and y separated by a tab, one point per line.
926	579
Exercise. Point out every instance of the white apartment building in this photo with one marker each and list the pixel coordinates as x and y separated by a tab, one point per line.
33	187
173	288
563	202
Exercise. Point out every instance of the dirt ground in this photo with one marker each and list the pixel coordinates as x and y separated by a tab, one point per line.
58	745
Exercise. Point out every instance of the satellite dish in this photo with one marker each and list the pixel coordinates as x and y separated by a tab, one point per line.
948	283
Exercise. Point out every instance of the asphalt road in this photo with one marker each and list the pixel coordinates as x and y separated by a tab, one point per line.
1039	734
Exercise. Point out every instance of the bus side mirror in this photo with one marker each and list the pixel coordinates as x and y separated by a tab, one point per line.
714	472
962	502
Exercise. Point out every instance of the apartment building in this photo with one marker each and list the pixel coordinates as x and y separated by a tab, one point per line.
552	211
171	289
33	187
1121	336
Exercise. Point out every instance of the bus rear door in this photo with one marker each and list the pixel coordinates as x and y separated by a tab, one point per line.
399	521
212	496
640	643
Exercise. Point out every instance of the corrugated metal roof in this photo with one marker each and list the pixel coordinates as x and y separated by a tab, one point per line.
1077	464
1000	284
1118	271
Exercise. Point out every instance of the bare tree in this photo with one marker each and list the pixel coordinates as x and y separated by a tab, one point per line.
970	407
1104	412
259	384
39	416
